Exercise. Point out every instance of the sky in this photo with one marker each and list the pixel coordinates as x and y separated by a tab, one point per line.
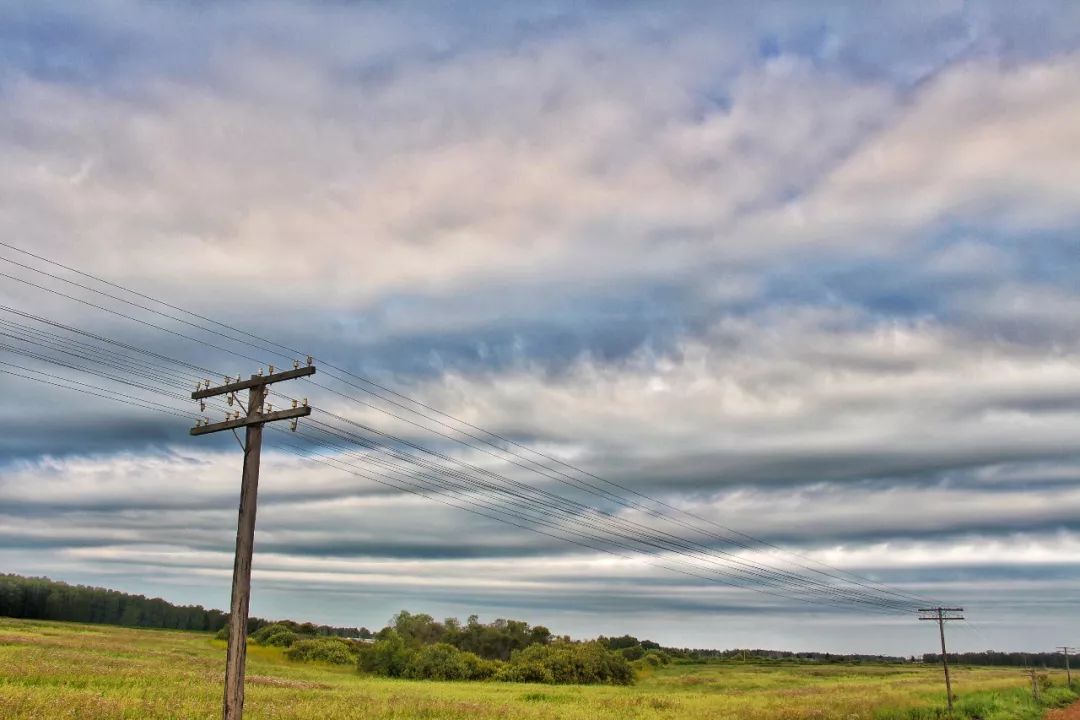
808	270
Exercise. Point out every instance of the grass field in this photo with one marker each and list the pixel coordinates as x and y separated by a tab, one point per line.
66	670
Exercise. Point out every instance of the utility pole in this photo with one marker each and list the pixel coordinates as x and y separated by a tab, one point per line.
941	615
257	414
1068	673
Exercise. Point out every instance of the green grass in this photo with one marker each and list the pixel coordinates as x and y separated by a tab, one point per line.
67	670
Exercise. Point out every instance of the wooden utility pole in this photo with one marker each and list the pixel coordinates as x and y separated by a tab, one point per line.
941	615
258	413
1068	673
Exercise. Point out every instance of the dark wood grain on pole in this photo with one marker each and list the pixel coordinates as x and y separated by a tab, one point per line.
245	542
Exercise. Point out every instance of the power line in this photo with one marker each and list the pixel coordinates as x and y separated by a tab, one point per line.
576	517
646	536
105	394
186	376
606	495
90	356
626	525
588	487
832	572
500	514
84	369
545	470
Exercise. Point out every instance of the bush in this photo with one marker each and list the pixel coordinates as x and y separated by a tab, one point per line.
526	672
387	657
277	635
282	638
222	633
655	658
478	668
445	662
436	662
572	663
328	650
634	652
562	662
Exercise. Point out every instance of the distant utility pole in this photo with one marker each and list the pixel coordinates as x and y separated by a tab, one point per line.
941	615
257	414
1068	673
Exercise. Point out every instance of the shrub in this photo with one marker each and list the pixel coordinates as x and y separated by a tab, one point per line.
436	662
277	635
572	663
328	650
655	658
445	662
478	668
526	671
282	638
387	657
561	662
634	652
222	633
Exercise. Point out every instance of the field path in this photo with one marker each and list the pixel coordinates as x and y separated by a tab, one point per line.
1070	713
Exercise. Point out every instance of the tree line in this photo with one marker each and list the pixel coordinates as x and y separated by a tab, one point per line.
39	598
44	599
632	648
1010	659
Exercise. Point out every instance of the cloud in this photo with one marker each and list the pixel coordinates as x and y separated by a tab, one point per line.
804	271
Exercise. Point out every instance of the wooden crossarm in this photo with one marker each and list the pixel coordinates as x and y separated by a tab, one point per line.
254	381
253	420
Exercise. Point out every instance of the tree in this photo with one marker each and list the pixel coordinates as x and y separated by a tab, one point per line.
416	630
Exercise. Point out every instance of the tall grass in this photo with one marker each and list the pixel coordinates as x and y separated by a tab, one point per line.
65	671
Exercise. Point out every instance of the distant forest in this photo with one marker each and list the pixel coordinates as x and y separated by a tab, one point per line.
1011	659
45	599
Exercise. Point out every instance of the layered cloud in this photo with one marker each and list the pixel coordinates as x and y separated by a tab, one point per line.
807	272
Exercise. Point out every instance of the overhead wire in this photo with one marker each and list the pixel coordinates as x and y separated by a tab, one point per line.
621	523
611	497
269	345
104	392
616	499
663	548
576	517
499	513
122	315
